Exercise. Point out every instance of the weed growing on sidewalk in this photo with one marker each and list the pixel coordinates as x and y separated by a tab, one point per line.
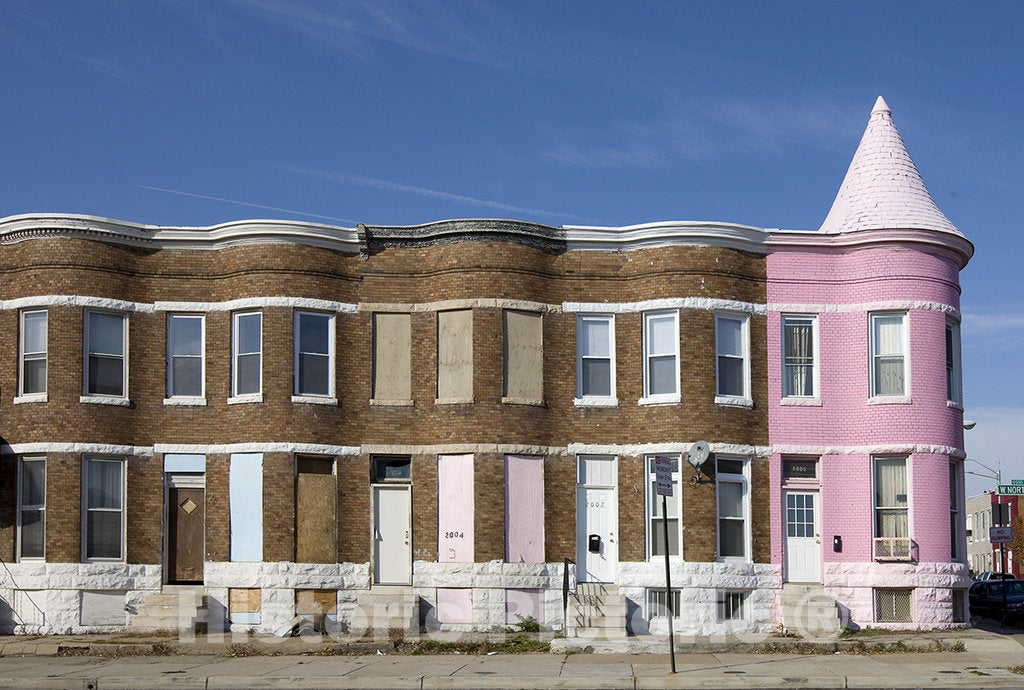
1016	669
516	644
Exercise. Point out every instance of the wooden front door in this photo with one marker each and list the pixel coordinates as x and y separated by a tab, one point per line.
185	543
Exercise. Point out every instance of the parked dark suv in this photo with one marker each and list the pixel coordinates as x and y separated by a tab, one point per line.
987	599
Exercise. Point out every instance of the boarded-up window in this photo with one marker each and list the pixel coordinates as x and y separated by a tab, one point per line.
524	509
245	487
315	510
244	606
318	605
455	355
455	508
524	356
455	605
521	604
392	348
103	608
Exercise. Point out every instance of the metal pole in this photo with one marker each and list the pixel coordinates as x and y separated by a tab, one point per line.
668	585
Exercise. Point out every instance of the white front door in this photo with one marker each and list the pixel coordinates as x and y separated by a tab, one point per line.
596	516
803	536
392	535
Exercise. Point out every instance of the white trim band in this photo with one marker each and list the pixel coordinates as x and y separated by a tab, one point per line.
876	449
705	303
186	307
856	307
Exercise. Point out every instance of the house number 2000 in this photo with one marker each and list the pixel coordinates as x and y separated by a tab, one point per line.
454	535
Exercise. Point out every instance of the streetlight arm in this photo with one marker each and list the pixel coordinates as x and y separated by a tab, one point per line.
996	474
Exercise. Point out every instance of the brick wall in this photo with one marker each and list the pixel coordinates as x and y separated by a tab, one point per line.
218	517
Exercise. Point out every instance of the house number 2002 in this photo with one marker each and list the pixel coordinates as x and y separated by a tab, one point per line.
454	535
595	504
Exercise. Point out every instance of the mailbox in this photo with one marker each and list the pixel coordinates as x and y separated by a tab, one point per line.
594	543
837	544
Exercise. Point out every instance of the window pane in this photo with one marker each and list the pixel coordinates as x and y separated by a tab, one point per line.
888	376
392	468
106	375
671	502
662	374
661	335
186	335
730	337
730	538
730	376
730	499
314	333
33	481
949	346
106	333
103	535
729	466
186	375
104	489
248	373
34	376
798	380
597	377
888	335
314	374
35	331
891	482
594	337
249	326
658	538
892	523
32	534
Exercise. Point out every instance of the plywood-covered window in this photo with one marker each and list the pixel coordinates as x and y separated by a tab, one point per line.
392	352
524	509
316	521
524	357
245	489
455	356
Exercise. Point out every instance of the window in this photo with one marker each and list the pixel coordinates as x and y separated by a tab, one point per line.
247	354
953	392
392	358
106	336
455	356
32	508
731	346
891	508
185	346
314	354
33	353
524	357
316	522
888	354
893	605
799	469
657	604
661	357
799	356
656	520
104	509
733	508
732	605
595	357
954	511
392	468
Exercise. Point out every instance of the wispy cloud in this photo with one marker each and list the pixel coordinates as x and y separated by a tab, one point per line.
402	188
707	128
246	203
994	331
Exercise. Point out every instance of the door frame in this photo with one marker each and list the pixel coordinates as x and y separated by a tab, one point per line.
580	546
179	480
397	486
785	532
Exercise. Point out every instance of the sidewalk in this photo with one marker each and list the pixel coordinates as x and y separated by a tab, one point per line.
515	671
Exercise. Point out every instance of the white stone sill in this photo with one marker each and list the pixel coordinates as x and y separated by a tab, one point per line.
889	400
800	402
314	400
734	401
185	402
595	402
661	400
31	398
453	401
97	400
955	405
521	401
245	399
374	402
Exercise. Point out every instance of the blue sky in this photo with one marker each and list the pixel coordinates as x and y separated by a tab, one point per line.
197	112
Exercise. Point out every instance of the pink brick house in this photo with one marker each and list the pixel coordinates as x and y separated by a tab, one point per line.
866	412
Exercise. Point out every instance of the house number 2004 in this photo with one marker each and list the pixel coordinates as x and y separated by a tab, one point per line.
454	535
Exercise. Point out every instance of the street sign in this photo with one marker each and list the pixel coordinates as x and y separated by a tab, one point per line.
1017	482
663	475
1014	489
1000	535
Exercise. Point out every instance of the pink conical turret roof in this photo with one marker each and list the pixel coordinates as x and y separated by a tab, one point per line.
883	189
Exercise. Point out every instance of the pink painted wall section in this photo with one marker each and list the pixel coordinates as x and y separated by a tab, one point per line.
775	499
847	504
929	507
524	509
522	602
455	509
455	605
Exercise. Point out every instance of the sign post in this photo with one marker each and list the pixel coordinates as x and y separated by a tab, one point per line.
663	484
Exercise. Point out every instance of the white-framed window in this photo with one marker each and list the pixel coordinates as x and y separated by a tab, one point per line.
889	347
953	365
247	353
595	357
892	509
661	357
103	524
732	356
32	368
732	488
656	520
732	605
106	347
31	509
955	525
314	354
186	345
800	371
657	604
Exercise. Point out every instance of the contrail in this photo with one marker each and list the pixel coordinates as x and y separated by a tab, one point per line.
246	203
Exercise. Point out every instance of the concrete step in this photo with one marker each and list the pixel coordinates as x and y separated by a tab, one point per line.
618	622
173	598
599	633
802	587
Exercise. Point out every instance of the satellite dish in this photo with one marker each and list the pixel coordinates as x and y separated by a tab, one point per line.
699	454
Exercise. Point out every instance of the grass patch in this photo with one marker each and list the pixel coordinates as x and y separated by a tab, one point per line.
516	644
900	647
1016	669
848	634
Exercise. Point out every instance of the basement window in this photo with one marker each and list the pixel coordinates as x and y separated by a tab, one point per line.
657	604
732	605
893	605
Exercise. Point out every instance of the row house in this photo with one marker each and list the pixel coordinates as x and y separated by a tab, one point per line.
438	425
